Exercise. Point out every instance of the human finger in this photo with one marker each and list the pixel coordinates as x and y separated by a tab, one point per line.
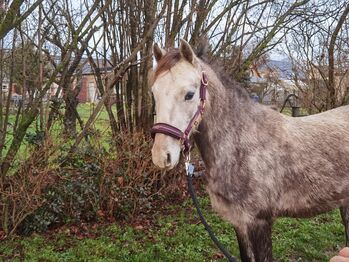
339	259
344	252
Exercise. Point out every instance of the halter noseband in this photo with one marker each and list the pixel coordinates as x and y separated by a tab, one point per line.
176	133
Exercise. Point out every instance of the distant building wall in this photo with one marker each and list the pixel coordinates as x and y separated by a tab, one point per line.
83	96
88	91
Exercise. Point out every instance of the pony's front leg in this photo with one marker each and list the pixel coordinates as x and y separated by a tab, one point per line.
255	241
345	220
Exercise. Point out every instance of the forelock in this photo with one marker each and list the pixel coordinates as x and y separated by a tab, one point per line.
169	60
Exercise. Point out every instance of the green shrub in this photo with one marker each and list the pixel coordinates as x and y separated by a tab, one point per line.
74	196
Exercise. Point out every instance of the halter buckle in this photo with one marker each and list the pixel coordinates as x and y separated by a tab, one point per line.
204	79
189	168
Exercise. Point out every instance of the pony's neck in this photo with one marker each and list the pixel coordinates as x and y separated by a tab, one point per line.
230	122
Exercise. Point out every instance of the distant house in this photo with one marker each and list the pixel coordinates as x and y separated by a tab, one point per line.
273	81
16	97
86	80
89	92
5	85
318	77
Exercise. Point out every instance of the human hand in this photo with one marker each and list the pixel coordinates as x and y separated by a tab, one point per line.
343	256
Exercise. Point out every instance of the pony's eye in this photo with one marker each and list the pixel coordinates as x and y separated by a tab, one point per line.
189	95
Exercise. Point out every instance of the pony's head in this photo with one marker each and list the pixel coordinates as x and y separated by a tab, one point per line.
176	90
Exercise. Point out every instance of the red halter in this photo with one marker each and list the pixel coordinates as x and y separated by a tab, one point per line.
176	133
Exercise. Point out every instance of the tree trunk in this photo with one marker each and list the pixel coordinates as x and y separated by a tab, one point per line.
332	101
146	118
71	103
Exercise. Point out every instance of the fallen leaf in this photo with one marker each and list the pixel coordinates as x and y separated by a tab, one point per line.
120	181
139	227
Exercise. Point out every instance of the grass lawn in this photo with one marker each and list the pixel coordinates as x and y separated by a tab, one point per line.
100	126
174	234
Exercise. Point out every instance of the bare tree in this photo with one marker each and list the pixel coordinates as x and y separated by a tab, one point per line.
319	50
11	15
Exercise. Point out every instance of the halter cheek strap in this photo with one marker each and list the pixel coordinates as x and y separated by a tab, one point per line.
176	133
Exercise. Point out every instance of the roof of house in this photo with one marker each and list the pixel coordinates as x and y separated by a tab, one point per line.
87	68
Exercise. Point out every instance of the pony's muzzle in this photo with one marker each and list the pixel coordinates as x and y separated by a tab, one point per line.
165	151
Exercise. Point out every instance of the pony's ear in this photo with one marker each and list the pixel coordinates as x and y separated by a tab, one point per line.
158	52
186	51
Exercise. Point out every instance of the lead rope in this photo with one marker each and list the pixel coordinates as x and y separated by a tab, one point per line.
189	169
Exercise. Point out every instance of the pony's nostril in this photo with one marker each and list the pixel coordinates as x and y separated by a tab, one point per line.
168	160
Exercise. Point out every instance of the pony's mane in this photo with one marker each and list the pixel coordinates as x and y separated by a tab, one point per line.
203	53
